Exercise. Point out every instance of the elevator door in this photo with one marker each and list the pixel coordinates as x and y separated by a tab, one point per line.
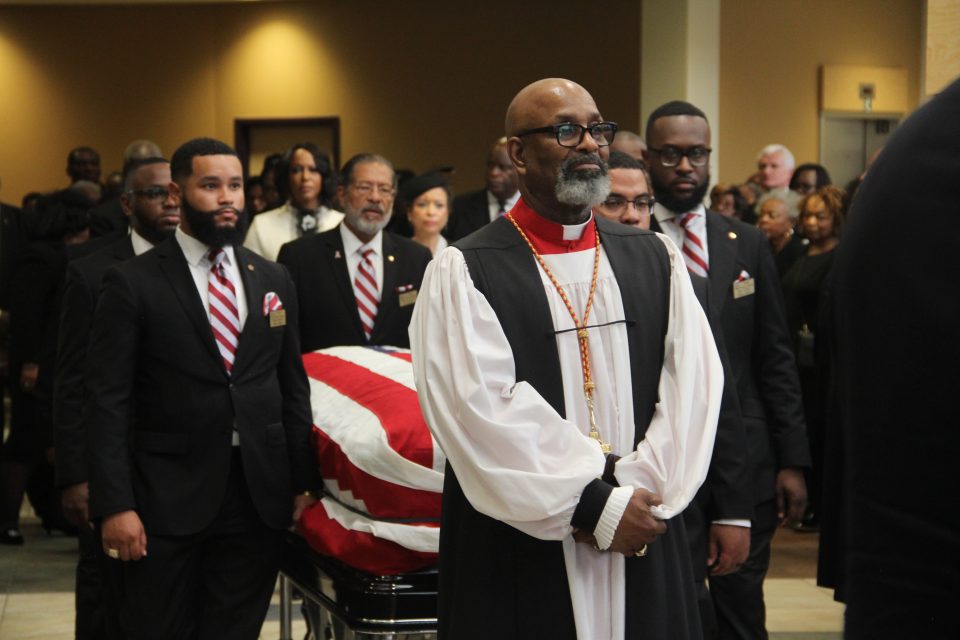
847	143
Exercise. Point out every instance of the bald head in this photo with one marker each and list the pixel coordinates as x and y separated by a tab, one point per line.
528	107
629	143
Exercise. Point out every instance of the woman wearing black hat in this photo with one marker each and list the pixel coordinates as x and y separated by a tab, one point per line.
427	202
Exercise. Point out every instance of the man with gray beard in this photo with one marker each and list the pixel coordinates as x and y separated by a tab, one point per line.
357	282
565	367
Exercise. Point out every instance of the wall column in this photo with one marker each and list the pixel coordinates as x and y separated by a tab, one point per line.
680	60
940	58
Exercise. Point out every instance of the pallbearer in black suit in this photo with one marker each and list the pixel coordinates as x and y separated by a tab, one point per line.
745	293
154	213
476	209
357	283
718	519
199	418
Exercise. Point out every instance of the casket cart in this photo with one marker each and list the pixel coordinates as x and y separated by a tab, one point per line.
365	562
355	603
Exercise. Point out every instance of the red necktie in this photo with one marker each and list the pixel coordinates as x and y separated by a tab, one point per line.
694	252
366	292
224	316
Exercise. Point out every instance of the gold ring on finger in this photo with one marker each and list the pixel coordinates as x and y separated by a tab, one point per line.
114	553
642	551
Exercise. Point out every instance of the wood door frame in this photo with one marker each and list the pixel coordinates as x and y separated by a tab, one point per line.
242	128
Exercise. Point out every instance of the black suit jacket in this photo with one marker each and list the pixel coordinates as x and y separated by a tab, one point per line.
11	239
164	408
897	314
759	349
727	493
470	212
76	319
328	308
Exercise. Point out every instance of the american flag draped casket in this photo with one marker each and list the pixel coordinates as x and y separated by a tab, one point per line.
382	471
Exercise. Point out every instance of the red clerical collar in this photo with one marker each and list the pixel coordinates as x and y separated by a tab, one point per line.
547	236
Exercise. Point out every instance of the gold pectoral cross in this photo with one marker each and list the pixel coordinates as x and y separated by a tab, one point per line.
594	432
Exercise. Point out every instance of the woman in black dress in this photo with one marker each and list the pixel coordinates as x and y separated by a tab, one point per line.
805	293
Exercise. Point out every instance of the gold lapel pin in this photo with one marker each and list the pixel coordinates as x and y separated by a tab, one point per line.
732	235
391	258
250	267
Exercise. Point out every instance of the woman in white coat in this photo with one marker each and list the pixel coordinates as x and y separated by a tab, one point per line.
305	181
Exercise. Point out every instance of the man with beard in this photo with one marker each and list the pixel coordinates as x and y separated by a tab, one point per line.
199	419
476	209
154	213
745	293
357	282
576	402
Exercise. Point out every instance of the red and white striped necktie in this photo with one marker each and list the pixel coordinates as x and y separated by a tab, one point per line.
694	251
366	291
224	312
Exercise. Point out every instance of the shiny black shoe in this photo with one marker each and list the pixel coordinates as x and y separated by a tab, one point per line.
11	537
809	524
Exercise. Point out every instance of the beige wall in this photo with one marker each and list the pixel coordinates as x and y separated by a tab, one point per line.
941	45
769	61
423	82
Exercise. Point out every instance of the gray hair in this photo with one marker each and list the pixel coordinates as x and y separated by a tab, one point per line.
787	197
775	149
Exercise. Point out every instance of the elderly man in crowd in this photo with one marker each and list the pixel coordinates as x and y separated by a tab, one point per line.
357	282
775	167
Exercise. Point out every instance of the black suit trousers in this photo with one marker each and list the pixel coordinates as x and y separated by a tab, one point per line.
213	584
738	597
97	592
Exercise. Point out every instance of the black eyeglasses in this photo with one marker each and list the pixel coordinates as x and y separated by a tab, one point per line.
671	156
152	193
617	204
571	135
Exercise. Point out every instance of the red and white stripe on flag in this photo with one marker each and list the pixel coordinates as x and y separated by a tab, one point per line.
378	461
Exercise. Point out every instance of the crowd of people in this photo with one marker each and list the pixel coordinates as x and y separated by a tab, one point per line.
623	478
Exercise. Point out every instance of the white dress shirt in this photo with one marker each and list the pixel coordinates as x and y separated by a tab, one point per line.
672	229
196	255
351	250
494	205
140	244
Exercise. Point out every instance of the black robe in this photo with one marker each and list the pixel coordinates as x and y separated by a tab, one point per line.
498	582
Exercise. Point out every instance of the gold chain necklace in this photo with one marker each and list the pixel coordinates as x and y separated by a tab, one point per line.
583	336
